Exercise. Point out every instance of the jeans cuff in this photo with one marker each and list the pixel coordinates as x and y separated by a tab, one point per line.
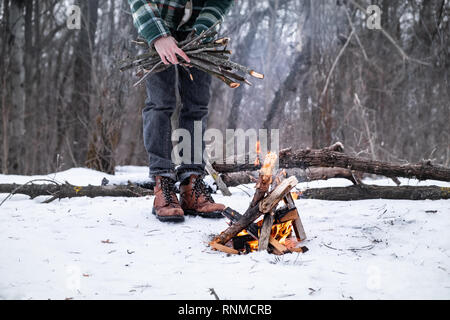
164	173
186	173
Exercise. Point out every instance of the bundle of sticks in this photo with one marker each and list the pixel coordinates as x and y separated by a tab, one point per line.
205	53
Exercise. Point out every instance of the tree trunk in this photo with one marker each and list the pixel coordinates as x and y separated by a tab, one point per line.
364	192
327	158
243	58
59	191
80	106
310	174
30	105
15	105
3	92
360	192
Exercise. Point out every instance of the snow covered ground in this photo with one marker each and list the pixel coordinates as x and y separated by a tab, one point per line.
113	248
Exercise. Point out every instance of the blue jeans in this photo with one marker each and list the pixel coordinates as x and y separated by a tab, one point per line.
159	107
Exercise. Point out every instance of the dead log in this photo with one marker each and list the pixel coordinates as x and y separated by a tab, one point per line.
326	158
310	174
332	193
365	192
361	192
233	179
59	191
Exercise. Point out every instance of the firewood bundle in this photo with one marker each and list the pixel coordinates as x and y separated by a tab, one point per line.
206	53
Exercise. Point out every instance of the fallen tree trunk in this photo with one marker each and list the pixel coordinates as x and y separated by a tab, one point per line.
364	192
358	192
59	191
328	158
233	179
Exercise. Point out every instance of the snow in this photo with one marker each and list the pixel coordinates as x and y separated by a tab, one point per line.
113	248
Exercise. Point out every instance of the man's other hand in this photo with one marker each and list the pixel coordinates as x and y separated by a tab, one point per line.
168	50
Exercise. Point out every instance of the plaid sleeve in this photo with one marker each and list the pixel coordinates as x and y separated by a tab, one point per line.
147	20
212	11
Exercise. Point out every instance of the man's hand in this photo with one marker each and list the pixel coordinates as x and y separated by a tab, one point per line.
167	49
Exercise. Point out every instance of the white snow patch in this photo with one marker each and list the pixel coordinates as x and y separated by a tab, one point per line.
113	248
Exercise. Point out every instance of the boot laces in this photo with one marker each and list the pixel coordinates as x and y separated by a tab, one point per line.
200	188
168	188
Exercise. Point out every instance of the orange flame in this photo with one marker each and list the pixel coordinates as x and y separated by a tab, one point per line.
280	232
269	162
258	152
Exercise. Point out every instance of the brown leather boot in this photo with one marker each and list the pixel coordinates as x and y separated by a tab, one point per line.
166	206
196	199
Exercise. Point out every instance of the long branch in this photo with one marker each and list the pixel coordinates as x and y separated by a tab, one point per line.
326	158
365	192
59	191
359	192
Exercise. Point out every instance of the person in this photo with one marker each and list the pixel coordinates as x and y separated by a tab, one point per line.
162	24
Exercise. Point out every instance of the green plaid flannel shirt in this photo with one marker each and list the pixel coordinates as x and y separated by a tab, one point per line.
156	18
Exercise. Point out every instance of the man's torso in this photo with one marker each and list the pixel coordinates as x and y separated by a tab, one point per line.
172	12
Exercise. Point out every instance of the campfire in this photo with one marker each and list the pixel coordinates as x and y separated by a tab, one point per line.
266	225
282	232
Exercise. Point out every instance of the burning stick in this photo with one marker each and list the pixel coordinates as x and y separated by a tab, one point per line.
271	201
265	178
266	231
221	247
289	213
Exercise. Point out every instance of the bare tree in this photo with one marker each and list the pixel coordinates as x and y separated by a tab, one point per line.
383	93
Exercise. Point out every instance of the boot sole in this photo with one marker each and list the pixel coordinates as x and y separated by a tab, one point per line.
168	218
209	215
